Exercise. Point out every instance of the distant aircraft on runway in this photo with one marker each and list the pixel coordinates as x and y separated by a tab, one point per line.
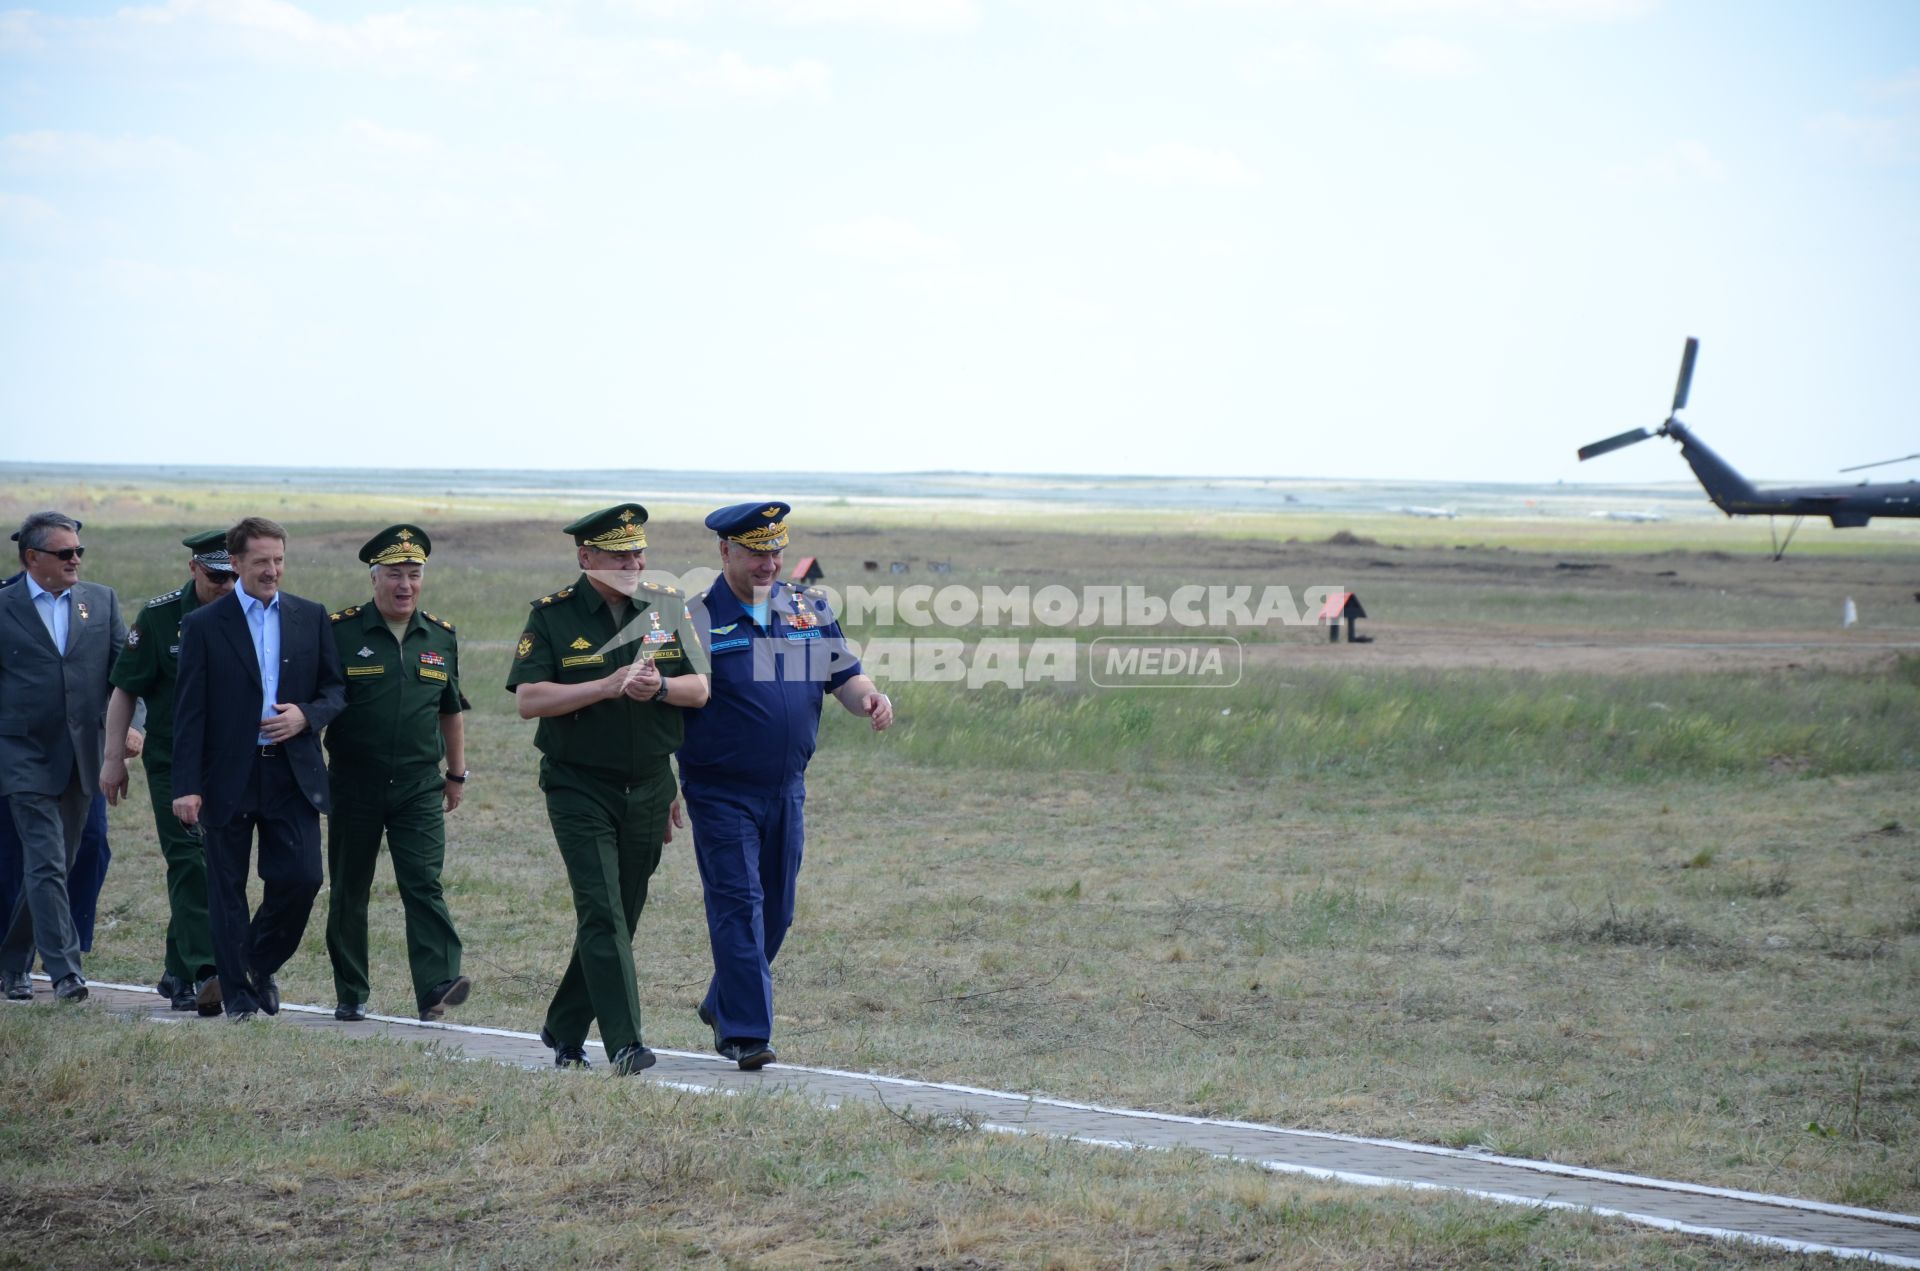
1847	506
1431	513
1648	515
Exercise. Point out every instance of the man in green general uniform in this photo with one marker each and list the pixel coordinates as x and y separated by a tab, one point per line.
403	717
146	672
607	665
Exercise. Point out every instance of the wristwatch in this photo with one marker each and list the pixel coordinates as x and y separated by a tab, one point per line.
660	694
460	777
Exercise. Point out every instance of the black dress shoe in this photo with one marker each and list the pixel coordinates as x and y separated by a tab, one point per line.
350	1012
565	1056
751	1054
17	985
70	988
169	988
444	994
184	998
206	995
631	1059
268	991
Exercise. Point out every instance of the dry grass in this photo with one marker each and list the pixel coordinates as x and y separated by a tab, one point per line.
1694	959
137	1144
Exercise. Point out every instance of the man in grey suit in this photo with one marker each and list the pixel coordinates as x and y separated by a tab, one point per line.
59	639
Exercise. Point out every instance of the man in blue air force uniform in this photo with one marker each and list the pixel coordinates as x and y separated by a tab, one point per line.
776	652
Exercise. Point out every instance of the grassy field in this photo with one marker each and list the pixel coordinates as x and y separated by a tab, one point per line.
1665	923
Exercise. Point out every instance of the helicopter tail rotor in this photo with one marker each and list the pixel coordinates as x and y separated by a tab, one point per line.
1641	434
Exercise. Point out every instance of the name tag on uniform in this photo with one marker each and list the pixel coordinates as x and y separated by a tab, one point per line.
428	673
667	655
738	642
354	672
813	634
584	659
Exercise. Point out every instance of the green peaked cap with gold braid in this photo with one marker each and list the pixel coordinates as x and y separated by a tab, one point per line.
614	529
398	545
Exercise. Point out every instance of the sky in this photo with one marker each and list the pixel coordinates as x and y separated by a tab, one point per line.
1411	239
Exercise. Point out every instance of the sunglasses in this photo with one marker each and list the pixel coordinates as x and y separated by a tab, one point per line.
65	553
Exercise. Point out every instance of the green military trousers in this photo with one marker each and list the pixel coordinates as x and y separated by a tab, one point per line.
408	812
189	938
609	836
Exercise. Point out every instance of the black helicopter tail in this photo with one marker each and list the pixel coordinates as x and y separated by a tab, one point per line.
1729	491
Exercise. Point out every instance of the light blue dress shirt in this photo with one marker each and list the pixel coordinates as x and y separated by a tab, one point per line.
55	609
263	624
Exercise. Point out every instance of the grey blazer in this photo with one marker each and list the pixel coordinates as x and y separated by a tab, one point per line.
53	709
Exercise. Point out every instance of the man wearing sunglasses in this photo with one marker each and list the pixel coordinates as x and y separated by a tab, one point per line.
147	672
59	640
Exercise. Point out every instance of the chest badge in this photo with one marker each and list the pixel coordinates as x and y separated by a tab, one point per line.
133	638
431	658
580	642
80	607
365	652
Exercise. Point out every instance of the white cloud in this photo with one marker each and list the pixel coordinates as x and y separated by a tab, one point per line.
547	51
1530	11
378	139
1683	161
911	13
880	238
1292	61
83	152
1875	139
1174	164
22	212
1428	58
735	74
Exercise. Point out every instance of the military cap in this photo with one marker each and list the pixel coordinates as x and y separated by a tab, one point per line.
758	527
209	547
614	529
397	545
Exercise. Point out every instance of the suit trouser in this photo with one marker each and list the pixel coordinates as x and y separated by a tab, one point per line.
88	873
189	939
246	953
49	826
609	836
85	876
409	813
748	841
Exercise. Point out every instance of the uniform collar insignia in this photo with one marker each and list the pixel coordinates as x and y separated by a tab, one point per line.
365	652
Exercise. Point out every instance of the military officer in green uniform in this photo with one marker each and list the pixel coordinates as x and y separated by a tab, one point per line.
146	673
384	751
607	665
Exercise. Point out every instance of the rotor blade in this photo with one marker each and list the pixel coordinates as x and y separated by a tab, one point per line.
1686	373
1879	464
1614	443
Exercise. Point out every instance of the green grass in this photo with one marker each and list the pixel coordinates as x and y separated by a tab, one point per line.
1497	724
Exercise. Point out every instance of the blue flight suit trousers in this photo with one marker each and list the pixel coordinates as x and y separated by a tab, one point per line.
747	840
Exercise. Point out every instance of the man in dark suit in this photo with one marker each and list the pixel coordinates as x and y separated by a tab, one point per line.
59	639
259	678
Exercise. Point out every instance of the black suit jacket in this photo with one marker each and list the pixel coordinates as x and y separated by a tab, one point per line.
216	721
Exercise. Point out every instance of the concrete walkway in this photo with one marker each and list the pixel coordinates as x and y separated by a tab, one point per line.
1778	1221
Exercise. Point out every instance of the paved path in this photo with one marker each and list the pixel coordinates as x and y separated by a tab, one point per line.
1778	1221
